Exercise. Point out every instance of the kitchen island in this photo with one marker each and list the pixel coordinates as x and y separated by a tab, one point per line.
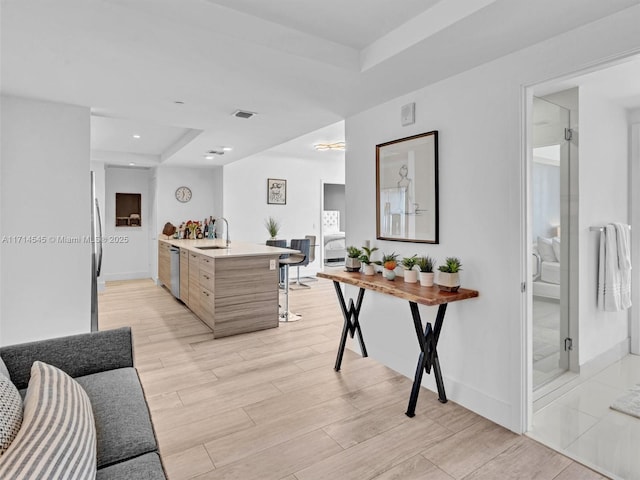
233	289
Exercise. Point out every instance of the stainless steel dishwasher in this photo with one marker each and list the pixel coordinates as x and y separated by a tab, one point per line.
175	271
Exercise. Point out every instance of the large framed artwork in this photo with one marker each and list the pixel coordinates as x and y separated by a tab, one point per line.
276	191
407	189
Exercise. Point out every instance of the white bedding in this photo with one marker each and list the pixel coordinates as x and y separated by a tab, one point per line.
334	240
550	272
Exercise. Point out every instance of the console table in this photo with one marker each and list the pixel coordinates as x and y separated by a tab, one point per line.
416	294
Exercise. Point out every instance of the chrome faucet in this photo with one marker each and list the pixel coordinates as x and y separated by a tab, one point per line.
227	228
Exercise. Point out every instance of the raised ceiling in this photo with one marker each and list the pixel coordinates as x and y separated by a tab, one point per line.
301	64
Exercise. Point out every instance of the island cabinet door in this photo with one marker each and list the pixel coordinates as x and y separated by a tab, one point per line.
184	275
194	283
207	272
164	264
246	295
207	307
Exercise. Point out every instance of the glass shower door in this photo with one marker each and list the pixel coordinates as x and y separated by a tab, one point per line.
550	254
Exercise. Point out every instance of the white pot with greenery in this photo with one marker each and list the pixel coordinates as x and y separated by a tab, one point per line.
273	227
368	265
410	275
389	262
425	264
353	263
448	276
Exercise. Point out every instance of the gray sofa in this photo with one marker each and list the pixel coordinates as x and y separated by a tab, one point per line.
102	363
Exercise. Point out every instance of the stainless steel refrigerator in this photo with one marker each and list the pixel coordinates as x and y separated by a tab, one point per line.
96	252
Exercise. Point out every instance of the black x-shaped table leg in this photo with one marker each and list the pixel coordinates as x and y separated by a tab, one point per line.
351	327
428	355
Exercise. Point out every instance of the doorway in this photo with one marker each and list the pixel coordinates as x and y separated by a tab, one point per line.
550	188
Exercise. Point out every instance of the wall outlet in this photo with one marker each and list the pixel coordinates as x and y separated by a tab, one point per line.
272	264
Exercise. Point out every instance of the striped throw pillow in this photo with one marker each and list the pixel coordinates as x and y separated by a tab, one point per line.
58	435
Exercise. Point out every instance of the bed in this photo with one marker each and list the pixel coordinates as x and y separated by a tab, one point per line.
546	268
335	248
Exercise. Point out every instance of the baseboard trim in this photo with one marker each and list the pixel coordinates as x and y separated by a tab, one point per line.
602	361
485	405
112	277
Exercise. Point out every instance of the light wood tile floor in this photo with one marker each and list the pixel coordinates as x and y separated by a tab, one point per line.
268	405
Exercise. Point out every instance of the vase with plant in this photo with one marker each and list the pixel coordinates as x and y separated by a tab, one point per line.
410	275
425	264
273	227
353	263
389	262
448	276
192	226
367	263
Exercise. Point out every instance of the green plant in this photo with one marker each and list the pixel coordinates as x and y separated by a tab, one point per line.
390	261
425	263
451	265
273	226
409	262
366	256
354	252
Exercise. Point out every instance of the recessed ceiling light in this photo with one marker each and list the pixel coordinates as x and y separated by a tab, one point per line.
131	164
136	136
208	157
227	149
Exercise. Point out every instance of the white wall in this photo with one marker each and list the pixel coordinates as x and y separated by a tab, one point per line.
126	249
604	198
245	195
45	193
207	200
479	118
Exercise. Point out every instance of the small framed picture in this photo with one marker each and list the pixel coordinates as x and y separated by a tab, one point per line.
276	191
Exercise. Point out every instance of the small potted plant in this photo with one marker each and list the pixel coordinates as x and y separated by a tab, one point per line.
448	277
410	275
273	227
368	264
425	264
353	263
389	262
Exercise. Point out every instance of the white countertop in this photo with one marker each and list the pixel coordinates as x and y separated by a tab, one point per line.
235	249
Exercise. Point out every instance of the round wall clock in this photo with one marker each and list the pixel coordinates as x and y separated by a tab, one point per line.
183	194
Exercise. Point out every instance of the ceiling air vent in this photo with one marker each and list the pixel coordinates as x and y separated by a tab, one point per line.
243	114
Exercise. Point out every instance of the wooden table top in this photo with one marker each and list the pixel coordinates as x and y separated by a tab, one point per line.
413	292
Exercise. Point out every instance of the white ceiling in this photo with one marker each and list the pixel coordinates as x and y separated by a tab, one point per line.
301	64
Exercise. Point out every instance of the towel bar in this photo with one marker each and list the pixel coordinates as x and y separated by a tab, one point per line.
600	229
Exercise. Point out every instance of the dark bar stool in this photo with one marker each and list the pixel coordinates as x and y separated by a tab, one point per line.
294	259
280	244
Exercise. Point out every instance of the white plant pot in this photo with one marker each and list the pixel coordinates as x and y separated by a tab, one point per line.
410	276
426	279
369	269
353	264
388	274
449	282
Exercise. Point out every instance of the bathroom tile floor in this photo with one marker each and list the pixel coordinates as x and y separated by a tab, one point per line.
581	425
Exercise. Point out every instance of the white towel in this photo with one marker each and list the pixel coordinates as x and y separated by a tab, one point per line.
614	272
624	263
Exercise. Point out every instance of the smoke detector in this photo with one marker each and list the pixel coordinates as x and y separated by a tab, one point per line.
243	114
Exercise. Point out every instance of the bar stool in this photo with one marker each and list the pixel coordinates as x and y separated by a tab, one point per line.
280	244
302	245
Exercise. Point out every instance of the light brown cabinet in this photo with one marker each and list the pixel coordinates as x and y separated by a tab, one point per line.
164	264
184	275
231	294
